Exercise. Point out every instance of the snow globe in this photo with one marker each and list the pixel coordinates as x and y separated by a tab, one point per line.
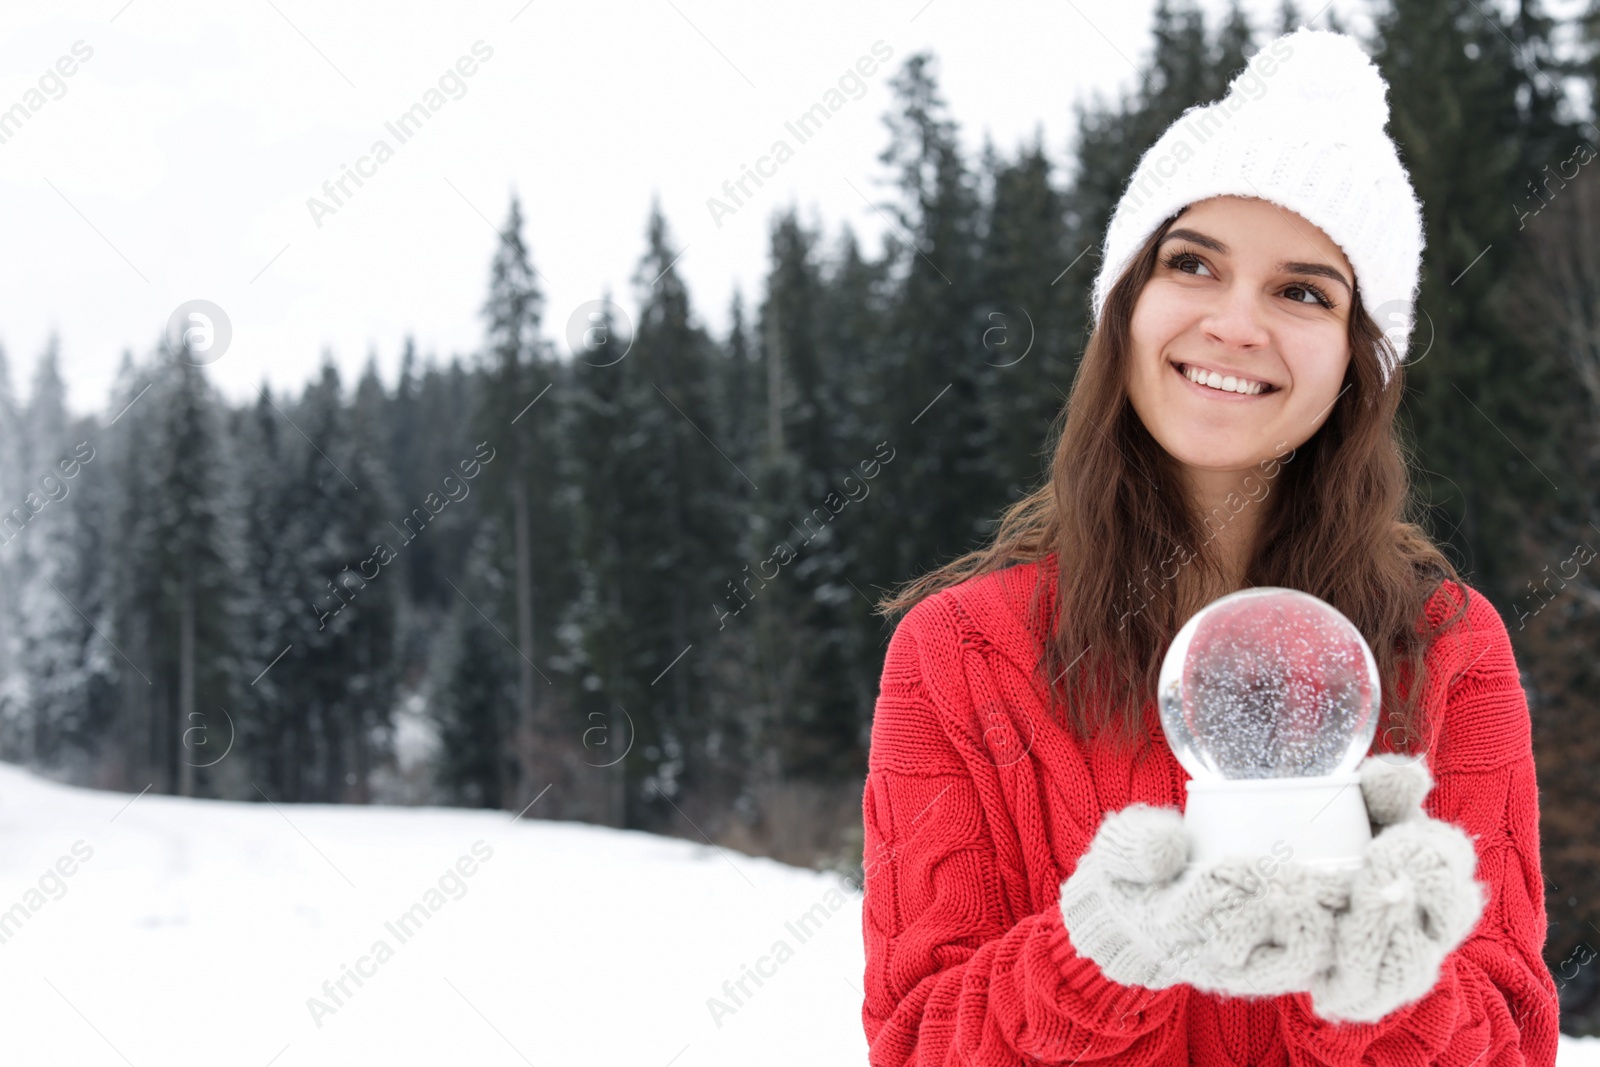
1269	698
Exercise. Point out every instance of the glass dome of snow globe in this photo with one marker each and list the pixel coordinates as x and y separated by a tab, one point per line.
1269	698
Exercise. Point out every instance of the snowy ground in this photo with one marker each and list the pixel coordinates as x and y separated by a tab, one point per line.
196	932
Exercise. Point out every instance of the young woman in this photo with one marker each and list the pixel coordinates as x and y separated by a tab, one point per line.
1028	897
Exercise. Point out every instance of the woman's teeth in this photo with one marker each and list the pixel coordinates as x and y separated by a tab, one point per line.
1228	384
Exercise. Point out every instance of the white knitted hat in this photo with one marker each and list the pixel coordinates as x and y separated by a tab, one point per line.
1302	126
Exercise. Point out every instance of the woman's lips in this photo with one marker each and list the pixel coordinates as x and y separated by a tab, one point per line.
1217	394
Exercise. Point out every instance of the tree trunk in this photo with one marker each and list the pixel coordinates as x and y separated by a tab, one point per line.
526	735
360	755
774	387
187	756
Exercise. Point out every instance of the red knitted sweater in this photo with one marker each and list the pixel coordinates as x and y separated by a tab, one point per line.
978	804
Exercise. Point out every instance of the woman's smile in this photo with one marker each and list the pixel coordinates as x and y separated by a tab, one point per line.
1221	384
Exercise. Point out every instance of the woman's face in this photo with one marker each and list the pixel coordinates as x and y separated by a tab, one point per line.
1256	299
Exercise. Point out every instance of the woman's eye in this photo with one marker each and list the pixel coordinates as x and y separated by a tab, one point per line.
1183	260
1311	295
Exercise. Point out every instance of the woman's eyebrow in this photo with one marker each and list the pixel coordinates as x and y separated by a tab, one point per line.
1321	270
1198	238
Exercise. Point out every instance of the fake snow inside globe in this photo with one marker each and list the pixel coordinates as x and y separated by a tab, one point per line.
1269	697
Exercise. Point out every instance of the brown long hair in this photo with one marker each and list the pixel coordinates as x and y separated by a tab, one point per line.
1338	524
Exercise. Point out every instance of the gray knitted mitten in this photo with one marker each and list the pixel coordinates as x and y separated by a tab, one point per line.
1241	926
1411	903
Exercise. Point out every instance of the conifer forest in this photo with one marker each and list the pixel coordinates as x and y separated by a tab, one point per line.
630	578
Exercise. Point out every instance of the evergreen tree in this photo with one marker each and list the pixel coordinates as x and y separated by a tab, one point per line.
518	417
1234	43
520	570
1113	136
1288	17
330	525
441	435
599	640
1554	619
271	720
475	696
16	730
1586	65
925	387
175	604
684	495
371	674
1029	319
855	304
1553	612
1473	120
129	458
409	424
740	742
65	663
656	570
810	712
742	400
1187	66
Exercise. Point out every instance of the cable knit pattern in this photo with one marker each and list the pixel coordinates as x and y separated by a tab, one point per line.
978	804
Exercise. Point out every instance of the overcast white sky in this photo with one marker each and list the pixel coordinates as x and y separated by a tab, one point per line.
176	162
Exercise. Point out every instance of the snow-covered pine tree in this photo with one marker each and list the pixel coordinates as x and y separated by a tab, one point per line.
854	322
1476	122
372	638
1030	319
173	600
656	530
810	448
16	731
518	415
594	628
271	720
65	662
321	524
473	684
924	393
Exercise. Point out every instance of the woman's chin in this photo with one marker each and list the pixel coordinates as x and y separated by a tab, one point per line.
1212	457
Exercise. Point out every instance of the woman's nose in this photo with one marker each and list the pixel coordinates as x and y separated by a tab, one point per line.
1237	319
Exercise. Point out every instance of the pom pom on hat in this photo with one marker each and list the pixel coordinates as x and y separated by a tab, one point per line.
1302	126
1331	75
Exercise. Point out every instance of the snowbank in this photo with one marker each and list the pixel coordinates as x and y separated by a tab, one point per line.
174	932
203	931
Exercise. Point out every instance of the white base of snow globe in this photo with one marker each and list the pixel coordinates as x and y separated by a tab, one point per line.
1320	822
